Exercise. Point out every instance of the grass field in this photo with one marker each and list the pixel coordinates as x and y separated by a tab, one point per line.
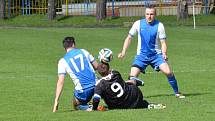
28	73
90	21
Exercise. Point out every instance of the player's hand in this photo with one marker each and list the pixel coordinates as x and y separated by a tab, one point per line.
165	57
55	108
121	55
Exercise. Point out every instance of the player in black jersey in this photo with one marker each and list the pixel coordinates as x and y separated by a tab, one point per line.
117	93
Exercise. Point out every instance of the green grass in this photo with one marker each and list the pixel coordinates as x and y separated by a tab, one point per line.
28	74
90	21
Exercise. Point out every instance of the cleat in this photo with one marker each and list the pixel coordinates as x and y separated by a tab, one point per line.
179	95
156	106
139	82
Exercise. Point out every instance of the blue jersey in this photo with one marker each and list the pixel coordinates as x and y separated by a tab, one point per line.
149	36
77	63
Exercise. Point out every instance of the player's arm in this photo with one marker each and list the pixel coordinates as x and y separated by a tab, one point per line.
164	49
97	94
59	88
91	59
162	37
95	64
128	39
126	44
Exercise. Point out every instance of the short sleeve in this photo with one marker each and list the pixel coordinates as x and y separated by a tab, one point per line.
134	29
88	55
62	67
161	31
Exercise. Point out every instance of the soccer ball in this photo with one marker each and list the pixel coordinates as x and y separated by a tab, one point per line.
105	55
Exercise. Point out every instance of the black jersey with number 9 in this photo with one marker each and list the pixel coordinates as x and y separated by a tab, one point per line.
117	94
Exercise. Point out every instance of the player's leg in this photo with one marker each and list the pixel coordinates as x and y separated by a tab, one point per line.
75	103
164	67
159	63
135	71
82	99
138	99
145	104
79	105
138	66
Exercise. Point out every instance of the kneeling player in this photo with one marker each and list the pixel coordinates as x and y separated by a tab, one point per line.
117	93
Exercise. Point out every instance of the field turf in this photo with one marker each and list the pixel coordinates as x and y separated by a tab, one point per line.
28	74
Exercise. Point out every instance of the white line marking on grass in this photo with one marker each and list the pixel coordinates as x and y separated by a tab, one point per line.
180	71
25	76
147	72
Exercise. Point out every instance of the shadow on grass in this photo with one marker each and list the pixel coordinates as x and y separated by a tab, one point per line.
63	18
197	94
185	94
159	95
10	17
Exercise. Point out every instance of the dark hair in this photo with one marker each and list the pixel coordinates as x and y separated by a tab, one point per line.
68	42
150	6
103	69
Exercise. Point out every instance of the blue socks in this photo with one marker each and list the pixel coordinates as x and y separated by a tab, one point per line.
173	83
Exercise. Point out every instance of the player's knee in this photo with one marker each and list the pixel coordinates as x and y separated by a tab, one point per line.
135	71
75	102
169	74
133	75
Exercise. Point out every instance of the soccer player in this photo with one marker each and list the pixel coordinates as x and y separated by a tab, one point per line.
117	93
151	35
80	65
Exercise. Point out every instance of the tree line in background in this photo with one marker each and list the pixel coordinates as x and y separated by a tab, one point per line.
2	9
101	11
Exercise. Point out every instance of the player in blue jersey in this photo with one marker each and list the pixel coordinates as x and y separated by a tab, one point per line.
151	35
80	65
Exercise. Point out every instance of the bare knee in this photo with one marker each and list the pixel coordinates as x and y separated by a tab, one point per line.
134	71
166	69
75	102
170	74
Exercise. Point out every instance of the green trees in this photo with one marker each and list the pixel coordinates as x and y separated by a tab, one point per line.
2	10
182	9
101	11
212	7
51	9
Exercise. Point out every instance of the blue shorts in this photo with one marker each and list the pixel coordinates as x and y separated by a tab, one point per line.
142	61
85	96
